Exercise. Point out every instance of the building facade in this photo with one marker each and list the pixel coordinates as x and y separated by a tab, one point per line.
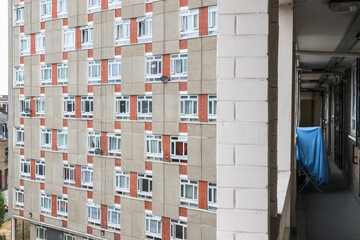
112	122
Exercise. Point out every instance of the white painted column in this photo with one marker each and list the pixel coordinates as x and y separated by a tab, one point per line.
247	118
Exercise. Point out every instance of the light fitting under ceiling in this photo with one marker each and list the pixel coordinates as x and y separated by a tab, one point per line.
344	6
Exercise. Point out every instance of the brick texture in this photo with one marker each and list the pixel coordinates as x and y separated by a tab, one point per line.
133	107
103	216
77	38
104	71
203	21
54	139
32	44
54	74
133	30
32	106
54	9
78	176
32	169
166	148
203	203
165	227
53	205
203	108
77	107
104	4
133	184
104	143
166	65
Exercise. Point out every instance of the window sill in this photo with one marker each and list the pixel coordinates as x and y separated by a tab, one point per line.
352	137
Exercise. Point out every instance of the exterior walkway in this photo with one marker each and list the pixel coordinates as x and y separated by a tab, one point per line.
332	214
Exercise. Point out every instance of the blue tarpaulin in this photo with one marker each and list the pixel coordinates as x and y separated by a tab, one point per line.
311	153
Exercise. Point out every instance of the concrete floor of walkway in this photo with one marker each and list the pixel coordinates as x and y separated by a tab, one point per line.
333	214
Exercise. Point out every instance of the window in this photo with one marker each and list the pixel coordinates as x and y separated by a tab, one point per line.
94	5
25	168
178	149
188	192
62	8
19	15
179	66
122	182
114	71
189	108
87	37
122	107
114	218
87	177
46	10
68	236
122	32
45	203
62	74
153	68
353	99
87	107
213	18
69	107
212	108
19	137
114	4
94	213
62	207
40	170
19	198
144	29
69	174
212	196
144	108
154	147
69	39
62	140
40	233
114	144
40	43
144	186
94	140
153	227
25	107
6	155
46	74
189	21
46	141
40	106
19	76
24	45
94	72
178	230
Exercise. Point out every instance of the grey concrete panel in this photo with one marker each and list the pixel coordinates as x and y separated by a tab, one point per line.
77	139
132	9
53	41
133	211
104	22
35	139
53	173
27	75
104	178
77	210
53	221
77	13
27	138
78	72
195	3
16	106
16	45
31	16
14	168
32	199
158	189
104	108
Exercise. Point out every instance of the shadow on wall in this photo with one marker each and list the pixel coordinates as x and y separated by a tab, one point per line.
310	113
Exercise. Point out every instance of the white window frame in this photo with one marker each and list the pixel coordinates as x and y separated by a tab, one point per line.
69	236
87	36
19	15
62	140
174	140
25	168
212	196
41	233
85	170
193	112
140	185
69	101
62	74
114	218
46	10
141	114
97	141
68	39
173	227
114	65
189	31
212	108
94	219
181	58
69	170
152	220
25	105
117	138
19	142
19	197
46	134
59	209
40	42
154	140
122	32
45	198
39	164
25	43
212	20
186	200
94	6
353	100
94	72
122	182
114	4
46	70
153	68
62	8
40	106
144	29
118	102
87	107
19	76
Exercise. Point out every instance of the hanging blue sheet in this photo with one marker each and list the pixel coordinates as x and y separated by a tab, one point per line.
311	152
